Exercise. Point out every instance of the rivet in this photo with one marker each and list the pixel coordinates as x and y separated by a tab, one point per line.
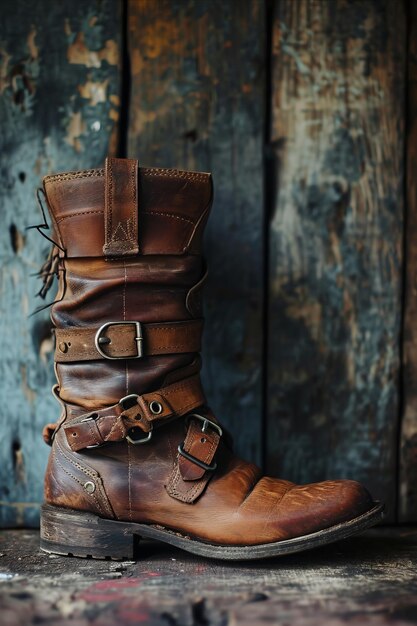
89	486
63	346
155	407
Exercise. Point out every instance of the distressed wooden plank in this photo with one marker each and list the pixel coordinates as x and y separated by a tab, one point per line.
367	581
59	104
197	103
336	241
408	441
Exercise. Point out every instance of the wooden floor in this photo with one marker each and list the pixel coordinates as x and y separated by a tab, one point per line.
368	580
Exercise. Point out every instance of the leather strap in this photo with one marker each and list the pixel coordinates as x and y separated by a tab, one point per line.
121	208
188	479
141	413
120	341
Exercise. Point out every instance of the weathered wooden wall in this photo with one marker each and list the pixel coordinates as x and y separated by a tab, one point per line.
298	109
197	102
408	443
336	241
59	101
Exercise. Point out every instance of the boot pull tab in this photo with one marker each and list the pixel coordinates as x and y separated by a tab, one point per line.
121	208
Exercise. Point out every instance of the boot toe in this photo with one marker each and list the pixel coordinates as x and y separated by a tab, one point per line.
309	508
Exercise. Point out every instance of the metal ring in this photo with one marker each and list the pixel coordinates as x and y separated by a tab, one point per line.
137	442
155	407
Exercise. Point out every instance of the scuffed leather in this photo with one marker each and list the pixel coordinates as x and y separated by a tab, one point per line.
150	483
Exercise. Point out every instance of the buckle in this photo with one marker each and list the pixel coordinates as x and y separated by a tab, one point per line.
206	422
98	339
126	403
136	442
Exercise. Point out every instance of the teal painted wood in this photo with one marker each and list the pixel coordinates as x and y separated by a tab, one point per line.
336	242
197	102
59	101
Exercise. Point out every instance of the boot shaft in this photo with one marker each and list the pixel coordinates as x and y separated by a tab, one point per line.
157	280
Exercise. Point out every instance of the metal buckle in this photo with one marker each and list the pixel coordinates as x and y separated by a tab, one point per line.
205	421
190	457
138	338
135	442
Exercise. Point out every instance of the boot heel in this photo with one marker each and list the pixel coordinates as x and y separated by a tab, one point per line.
76	533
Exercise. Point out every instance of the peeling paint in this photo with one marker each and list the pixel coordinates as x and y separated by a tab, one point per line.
76	128
28	392
33	49
4	69
79	54
49	124
94	91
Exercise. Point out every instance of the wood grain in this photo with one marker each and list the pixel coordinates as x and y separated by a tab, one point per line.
197	102
59	104
336	241
408	442
363	581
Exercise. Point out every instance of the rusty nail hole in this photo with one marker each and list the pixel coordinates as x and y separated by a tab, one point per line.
203	440
16	451
138	417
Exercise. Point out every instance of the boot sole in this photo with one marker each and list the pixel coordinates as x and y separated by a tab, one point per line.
76	533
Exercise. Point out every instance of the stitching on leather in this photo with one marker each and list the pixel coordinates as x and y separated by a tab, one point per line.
189	494
84	470
93	495
145	171
127	239
109	198
133	188
61	219
173	215
116	423
93	433
171	173
74	175
129	473
92	474
212	449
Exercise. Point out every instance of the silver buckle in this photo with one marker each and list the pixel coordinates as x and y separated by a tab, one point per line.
206	422
136	442
190	457
138	338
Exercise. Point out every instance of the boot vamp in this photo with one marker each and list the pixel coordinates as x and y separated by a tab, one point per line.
239	505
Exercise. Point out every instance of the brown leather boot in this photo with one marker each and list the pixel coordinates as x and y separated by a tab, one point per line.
137	452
